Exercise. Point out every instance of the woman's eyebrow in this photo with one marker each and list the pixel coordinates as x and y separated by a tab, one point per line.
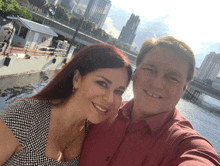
106	79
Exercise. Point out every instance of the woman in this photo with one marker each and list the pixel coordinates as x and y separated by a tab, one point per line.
50	127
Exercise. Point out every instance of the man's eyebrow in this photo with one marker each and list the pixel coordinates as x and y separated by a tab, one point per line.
175	73
148	64
106	79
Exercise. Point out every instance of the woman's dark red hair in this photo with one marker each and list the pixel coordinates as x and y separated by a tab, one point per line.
87	60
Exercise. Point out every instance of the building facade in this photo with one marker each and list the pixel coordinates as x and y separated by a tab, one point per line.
210	67
55	2
31	34
97	11
128	32
69	4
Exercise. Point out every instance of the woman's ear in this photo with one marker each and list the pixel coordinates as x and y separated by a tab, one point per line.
76	79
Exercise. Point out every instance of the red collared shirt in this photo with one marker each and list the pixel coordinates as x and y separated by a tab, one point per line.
164	139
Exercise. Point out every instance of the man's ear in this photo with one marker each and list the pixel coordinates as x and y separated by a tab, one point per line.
185	87
76	79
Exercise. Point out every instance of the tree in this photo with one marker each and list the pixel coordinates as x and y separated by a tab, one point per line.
61	13
8	7
74	20
43	4
22	12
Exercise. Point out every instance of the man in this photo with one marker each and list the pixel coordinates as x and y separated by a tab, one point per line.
148	129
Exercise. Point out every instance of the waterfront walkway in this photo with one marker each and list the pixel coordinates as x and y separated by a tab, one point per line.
33	52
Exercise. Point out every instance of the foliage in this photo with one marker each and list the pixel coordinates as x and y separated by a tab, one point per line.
37	20
11	7
87	25
21	11
40	3
61	13
8	7
74	20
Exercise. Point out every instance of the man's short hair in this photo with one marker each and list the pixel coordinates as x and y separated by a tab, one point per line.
178	47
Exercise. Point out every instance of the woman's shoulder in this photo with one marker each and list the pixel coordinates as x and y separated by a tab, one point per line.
20	115
22	107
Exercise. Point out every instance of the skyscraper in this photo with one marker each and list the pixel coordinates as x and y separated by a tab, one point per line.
95	11
69	4
128	32
98	11
210	67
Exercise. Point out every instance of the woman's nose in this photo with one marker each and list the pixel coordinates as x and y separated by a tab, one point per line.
109	97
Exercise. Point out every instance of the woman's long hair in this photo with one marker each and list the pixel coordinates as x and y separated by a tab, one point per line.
87	60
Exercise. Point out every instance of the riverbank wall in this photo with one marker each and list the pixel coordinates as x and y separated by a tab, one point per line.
18	65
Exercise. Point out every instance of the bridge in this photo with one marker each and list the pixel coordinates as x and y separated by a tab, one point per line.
204	88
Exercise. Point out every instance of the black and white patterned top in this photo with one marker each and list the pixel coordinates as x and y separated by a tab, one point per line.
29	119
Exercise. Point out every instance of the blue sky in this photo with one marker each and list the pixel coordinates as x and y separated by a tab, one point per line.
192	21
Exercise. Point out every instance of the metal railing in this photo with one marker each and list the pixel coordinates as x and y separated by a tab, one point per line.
14	49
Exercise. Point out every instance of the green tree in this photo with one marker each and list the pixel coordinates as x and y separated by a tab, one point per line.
61	13
8	7
37	20
21	11
74	20
43	4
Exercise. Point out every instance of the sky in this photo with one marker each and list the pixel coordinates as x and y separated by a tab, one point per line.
197	23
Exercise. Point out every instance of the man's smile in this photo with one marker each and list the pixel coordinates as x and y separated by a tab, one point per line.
152	95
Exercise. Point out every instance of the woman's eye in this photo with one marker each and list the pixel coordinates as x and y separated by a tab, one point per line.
103	84
119	92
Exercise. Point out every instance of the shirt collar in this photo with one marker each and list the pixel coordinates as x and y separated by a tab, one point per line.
155	123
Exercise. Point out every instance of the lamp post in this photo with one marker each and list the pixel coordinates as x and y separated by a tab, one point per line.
74	35
85	15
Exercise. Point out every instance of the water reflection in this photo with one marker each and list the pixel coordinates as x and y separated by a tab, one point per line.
31	83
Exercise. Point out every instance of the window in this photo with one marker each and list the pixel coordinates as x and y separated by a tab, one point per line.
16	28
23	32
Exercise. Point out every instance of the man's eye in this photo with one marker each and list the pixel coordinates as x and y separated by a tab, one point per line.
103	84
173	79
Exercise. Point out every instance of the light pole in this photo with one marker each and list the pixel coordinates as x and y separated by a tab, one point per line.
85	15
74	35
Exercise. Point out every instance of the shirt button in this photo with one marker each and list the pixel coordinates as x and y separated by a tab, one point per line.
106	158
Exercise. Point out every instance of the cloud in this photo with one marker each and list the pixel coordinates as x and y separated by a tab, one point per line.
110	28
148	29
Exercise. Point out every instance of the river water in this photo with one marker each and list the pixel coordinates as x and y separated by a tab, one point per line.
204	115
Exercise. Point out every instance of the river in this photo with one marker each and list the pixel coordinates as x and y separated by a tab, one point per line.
204	116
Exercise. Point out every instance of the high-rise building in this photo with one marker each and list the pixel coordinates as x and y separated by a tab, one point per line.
55	2
81	6
97	11
210	67
69	4
128	32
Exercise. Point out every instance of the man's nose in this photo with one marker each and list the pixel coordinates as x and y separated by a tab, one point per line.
157	81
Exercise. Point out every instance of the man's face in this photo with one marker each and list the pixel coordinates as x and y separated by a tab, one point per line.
158	82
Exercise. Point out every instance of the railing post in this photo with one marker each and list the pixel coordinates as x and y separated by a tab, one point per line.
35	50
26	49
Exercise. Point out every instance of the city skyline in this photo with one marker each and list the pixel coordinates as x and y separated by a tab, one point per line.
194	22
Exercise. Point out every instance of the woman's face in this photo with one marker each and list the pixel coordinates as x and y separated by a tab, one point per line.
99	93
